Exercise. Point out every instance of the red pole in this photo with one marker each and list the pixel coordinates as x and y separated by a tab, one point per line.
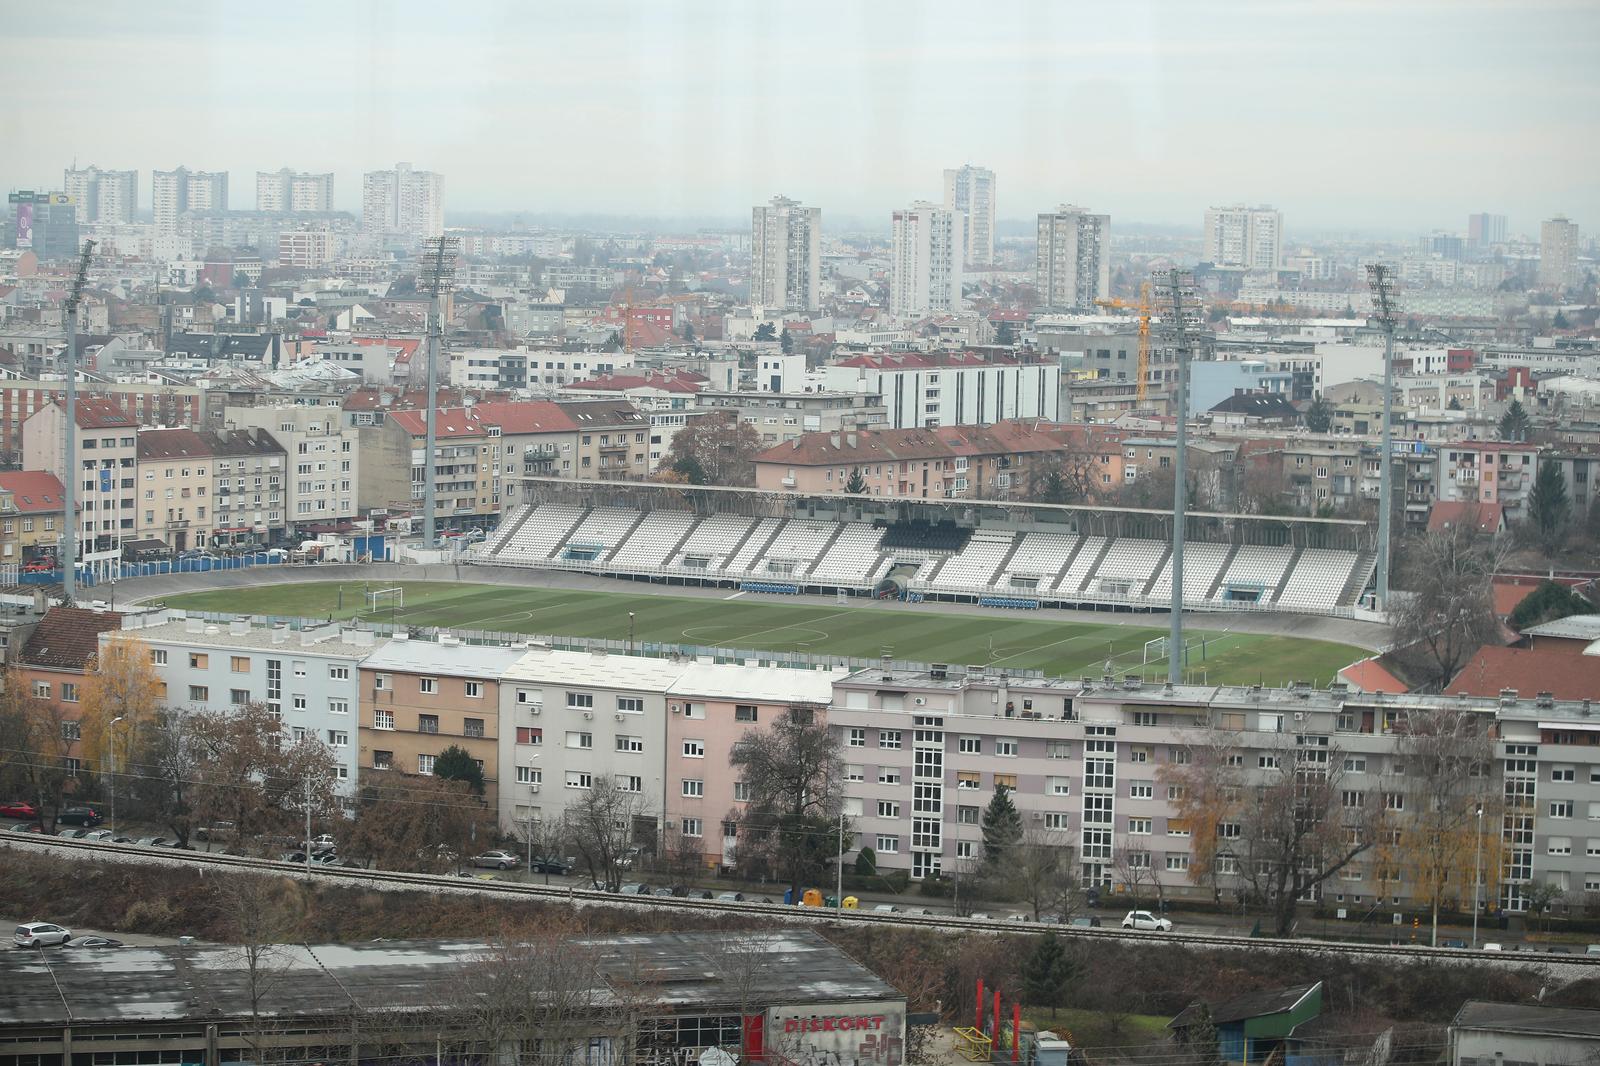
996	1017
1016	1030
978	1024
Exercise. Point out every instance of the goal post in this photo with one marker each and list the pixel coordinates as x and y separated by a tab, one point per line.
394	598
1155	650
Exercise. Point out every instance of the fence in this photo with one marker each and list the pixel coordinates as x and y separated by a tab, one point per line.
154	568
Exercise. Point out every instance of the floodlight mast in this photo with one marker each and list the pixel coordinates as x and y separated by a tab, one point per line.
435	276
1381	281
1179	283
69	453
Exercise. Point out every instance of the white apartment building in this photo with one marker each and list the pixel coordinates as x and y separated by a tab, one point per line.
322	455
305	249
969	192
786	256
293	192
925	391
107	443
1311	267
403	200
109	196
1243	238
925	260
311	677
172	192
1073	265
1558	252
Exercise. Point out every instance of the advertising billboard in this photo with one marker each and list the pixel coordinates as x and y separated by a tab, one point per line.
24	225
850	1034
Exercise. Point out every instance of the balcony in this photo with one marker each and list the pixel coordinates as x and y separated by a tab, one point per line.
1467	475
177	523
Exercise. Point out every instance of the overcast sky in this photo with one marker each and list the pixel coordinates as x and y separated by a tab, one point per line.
1351	114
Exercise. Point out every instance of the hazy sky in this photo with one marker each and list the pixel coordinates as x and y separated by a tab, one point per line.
1369	114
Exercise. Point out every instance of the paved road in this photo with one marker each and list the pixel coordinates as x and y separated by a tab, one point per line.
1369	635
132	940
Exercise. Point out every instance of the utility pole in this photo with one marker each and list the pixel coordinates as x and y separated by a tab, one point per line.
112	729
1382	284
435	275
1177	282
1477	878
838	868
70	473
308	825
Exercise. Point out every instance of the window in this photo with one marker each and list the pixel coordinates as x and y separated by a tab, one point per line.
1059	786
471	727
1394	801
969	746
1354	800
1138	860
427	685
427	723
694	749
41	690
1141	790
1006	747
1562	773
383	720
338	673
528	775
425	764
379	681
630	704
299	702
888	845
580	779
474	690
1057	749
630	783
238	696
239	664
1138	754
1139	826
693	787
741	791
1177	863
888	775
856	738
582	741
1266	762
629	744
198	661
529	735
1006	781
158	656
1560	845
382	760
1561	809
744	712
338	738
888	809
693	827
1355	765
580	700
299	668
1177	827
854	773
1144	718
889	738
199	693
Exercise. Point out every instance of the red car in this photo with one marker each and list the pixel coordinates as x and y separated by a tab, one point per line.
18	809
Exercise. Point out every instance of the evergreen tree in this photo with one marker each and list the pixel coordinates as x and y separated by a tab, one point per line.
1002	826
454	764
1204	1047
766	332
1454	404
1515	425
1560	321
688	332
1549	506
857	485
786	342
1006	334
866	862
691	470
1046	973
1319	416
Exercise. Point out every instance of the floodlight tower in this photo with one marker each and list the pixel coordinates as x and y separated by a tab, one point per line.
1381	281
1180	311
435	275
69	467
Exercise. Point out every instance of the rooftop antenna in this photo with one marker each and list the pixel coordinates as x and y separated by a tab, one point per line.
435	277
69	466
1381	281
1180	294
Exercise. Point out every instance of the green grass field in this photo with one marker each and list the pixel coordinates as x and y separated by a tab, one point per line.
925	633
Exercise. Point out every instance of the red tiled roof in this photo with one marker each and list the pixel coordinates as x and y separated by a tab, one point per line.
33	491
1508	594
532	416
1370	675
680	382
68	637
97	413
1447	514
1568	675
172	444
1010	437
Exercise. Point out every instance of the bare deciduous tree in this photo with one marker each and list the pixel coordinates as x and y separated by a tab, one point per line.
1448	611
601	825
1207	795
796	777
1038	870
248	776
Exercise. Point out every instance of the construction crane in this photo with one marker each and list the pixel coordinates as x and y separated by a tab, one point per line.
1142	369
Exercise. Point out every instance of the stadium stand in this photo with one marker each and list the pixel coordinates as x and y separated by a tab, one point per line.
1006	564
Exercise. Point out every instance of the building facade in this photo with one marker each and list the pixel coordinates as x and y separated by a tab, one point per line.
1558	252
403	201
1073	265
786	256
322	462
925	391
107	439
925	260
175	485
1243	238
293	192
969	191
176	192
248	494
108	196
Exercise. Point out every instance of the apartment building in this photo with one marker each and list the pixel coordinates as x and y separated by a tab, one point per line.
927	390
1243	238
969	191
248	491
310	676
925	260
176	192
293	192
105	196
421	697
784	416
1488	472
322	462
107	439
175	483
403	201
925	750
1558	252
31	509
151	405
1073	265
786	256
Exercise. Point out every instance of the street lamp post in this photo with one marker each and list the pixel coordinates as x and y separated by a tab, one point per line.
1477	877
112	729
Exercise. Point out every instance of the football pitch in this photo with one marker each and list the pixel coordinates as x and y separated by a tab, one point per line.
861	629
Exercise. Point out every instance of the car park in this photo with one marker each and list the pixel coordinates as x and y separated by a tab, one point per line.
93	942
40	934
1146	921
498	860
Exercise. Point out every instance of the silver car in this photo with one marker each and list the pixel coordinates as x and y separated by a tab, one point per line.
40	934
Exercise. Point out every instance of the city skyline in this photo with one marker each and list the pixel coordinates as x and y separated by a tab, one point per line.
1109	108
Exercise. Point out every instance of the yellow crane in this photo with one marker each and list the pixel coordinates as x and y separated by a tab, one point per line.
1142	369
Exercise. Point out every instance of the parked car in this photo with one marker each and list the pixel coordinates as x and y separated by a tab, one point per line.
1452	942
40	934
70	834
26	827
93	942
886	908
18	809
84	816
1558	949
634	889
1086	922
97	836
216	831
550	866
498	860
1592	949
1491	946
152	842
731	897
325	842
1146	920
662	892
982	917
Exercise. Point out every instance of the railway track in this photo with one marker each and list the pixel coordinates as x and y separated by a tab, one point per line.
1572	966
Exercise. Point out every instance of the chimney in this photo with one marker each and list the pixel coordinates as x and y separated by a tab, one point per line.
833	438
239	627
850	438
